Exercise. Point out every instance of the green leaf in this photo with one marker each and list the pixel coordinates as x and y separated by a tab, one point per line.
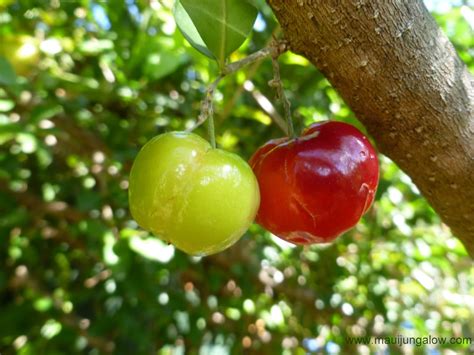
43	304
95	46
46	111
159	65
28	142
9	131
7	73
6	105
164	58
189	31
152	249
222	24
156	56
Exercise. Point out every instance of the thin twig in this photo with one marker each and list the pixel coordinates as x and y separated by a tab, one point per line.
266	105
275	49
253	69
252	58
277	84
230	104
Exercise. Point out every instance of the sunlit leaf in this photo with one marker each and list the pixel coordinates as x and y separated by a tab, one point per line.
95	46
6	105
44	112
152	248
222	25
7	73
164	59
188	29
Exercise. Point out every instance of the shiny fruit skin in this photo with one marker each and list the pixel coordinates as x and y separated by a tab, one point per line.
202	200
317	186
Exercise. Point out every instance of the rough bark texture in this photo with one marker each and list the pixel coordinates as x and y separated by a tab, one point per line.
403	79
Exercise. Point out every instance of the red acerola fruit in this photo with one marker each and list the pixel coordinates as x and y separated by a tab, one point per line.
317	186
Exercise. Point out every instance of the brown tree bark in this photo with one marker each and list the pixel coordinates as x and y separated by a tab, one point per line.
403	79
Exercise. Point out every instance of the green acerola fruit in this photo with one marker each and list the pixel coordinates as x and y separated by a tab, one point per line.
202	200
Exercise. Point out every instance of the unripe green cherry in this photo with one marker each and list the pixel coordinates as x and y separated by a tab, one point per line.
202	200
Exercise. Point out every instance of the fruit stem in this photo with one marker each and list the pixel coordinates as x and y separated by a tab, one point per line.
277	84
207	110
276	48
211	131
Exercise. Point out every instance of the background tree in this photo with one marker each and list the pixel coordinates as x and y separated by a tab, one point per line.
83	85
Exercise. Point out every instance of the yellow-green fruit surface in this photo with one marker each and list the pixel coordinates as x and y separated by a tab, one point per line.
202	200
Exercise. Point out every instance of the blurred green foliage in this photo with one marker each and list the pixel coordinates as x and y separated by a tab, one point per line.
84	84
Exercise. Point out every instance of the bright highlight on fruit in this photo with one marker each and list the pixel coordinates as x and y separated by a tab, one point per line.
317	186
202	200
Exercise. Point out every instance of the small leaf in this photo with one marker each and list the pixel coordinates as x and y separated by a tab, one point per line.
9	131
45	112
189	31
7	73
223	25
164	59
159	65
6	105
96	46
28	142
152	248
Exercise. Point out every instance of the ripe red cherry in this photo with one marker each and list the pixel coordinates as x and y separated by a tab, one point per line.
317	186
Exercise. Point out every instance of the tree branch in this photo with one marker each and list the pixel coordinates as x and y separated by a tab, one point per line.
405	82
